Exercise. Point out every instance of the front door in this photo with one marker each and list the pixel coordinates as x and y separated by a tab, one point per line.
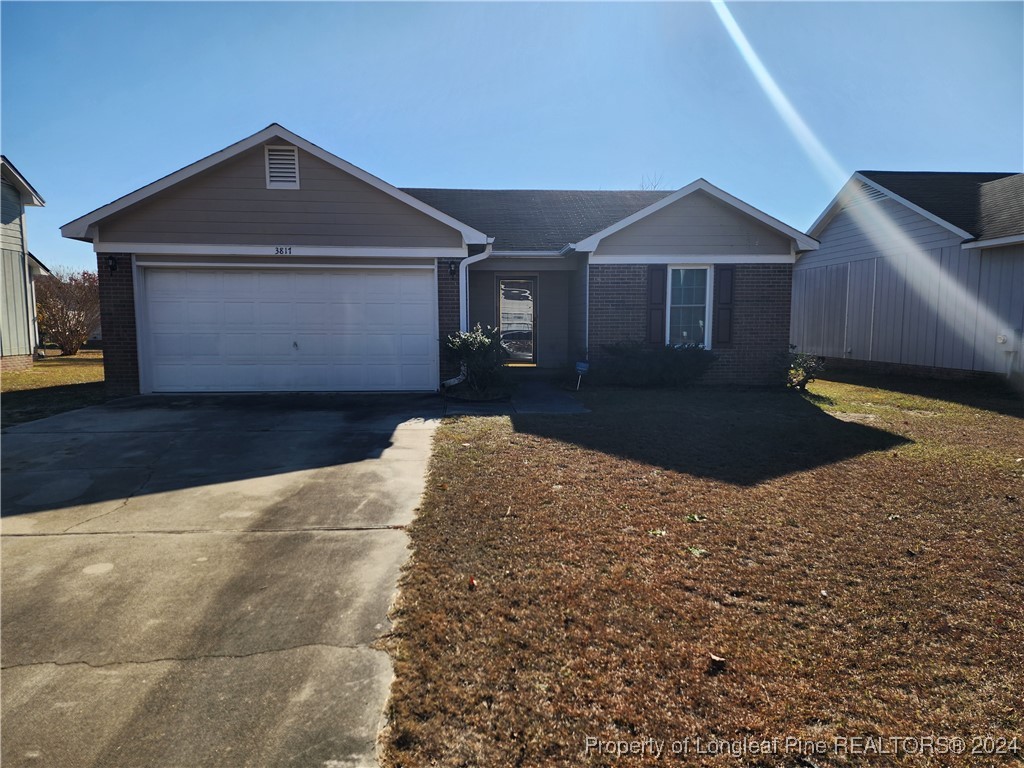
517	319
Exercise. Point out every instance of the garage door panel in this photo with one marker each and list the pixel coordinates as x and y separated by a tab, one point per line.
168	345
274	284
239	313
200	284
241	346
238	284
310	314
279	330
275	314
419	346
415	315
204	314
203	345
166	313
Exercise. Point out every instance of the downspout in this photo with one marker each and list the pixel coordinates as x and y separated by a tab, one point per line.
464	302
464	283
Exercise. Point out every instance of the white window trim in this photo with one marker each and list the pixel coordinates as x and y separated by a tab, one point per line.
709	301
266	164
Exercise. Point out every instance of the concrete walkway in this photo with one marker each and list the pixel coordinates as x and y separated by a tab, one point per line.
531	396
201	581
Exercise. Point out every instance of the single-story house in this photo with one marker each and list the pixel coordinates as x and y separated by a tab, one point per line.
916	272
274	265
19	332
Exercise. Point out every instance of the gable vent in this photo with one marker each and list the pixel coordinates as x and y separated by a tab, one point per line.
864	193
282	167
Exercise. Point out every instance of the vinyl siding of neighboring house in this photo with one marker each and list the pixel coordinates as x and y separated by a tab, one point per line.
861	299
697	224
16	321
231	205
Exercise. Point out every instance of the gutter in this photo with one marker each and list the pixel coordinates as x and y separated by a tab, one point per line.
464	283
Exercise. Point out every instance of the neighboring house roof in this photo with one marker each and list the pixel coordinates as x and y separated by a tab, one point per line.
37	265
537	219
29	196
1002	208
976	206
79	228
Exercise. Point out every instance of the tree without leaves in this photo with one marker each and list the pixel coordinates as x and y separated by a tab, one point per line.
68	308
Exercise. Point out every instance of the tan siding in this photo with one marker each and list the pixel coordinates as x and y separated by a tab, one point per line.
230	205
697	224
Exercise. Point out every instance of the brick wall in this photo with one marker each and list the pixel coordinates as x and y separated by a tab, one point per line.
12	363
761	295
447	312
117	319
760	331
618	305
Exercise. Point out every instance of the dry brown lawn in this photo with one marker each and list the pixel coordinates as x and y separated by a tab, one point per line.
52	386
853	555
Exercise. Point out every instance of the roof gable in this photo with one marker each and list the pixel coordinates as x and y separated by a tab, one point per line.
13	176
802	241
80	228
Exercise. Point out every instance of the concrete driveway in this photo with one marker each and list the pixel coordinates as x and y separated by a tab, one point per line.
201	581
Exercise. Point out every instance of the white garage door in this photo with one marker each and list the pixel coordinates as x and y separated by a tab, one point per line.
249	330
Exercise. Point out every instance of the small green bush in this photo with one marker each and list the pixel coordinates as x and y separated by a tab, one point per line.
478	353
633	364
803	369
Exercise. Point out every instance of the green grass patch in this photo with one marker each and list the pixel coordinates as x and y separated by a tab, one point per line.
52	386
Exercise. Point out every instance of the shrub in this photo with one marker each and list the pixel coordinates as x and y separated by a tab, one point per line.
478	353
68	308
803	369
640	365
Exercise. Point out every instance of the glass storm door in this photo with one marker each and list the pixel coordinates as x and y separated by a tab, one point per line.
517	315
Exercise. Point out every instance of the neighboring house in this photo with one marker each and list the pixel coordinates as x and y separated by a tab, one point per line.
19	333
916	271
274	265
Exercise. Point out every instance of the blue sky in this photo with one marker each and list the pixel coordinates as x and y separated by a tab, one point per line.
99	99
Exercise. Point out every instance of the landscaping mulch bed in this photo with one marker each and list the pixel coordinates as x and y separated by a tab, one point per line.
708	569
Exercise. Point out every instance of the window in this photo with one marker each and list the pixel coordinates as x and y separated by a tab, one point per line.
688	306
282	167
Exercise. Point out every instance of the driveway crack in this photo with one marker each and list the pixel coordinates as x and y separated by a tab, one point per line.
200	657
145	481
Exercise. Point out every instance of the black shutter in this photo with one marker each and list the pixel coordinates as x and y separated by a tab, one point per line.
656	292
723	305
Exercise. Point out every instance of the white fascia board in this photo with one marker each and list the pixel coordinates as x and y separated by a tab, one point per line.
803	242
698	260
277	251
79	227
994	242
528	254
